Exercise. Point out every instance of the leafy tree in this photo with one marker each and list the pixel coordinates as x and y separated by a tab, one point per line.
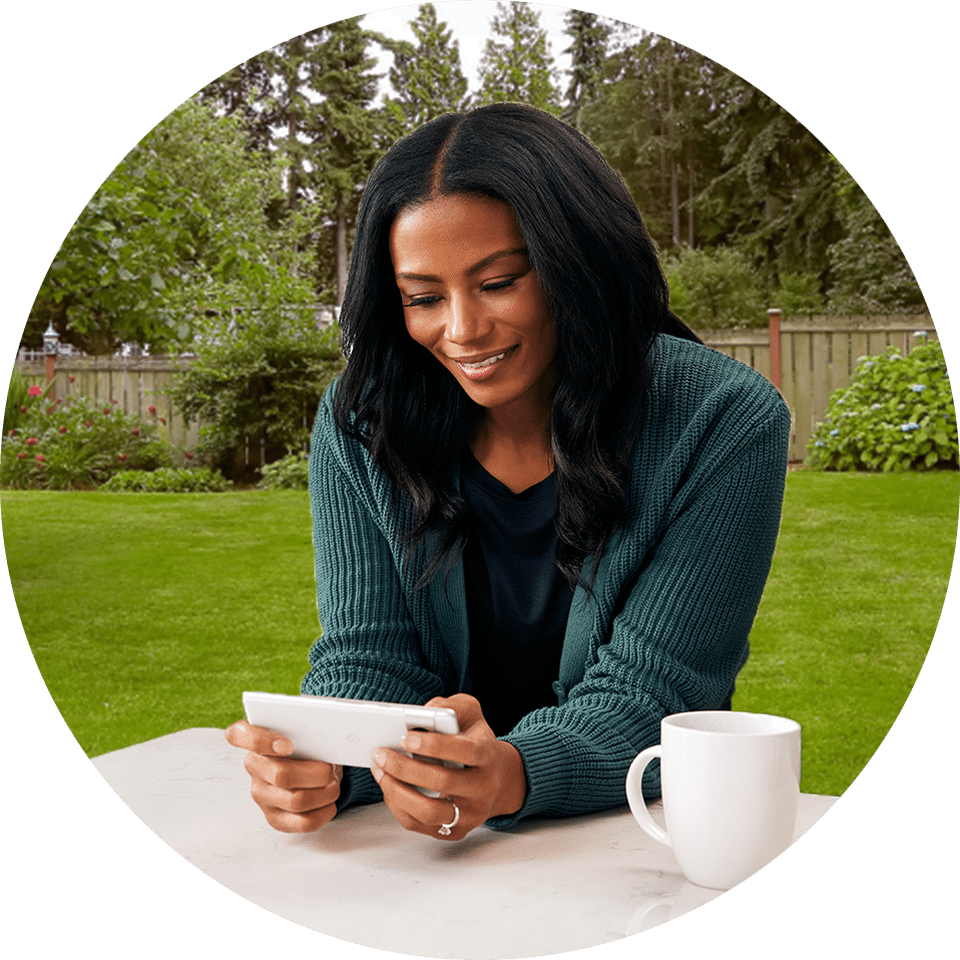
517	64
181	214
869	272
589	34
427	77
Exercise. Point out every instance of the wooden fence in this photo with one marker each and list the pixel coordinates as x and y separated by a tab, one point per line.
136	383
806	358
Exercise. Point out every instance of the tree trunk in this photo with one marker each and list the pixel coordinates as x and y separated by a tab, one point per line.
675	200
341	255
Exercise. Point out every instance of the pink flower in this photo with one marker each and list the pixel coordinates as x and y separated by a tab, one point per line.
114	401
21	455
106	410
34	391
136	431
31	441
123	458
153	411
163	420
63	429
89	423
41	458
12	432
23	409
73	379
189	456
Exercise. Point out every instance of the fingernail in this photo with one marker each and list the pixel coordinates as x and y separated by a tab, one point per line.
412	741
378	757
282	747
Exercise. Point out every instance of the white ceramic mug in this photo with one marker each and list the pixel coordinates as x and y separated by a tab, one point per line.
730	784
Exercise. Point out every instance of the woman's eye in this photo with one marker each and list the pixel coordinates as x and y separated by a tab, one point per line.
423	301
499	284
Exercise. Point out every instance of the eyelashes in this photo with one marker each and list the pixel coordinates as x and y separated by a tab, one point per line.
427	300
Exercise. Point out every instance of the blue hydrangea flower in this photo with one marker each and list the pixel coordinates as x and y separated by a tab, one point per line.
918	387
907	427
834	433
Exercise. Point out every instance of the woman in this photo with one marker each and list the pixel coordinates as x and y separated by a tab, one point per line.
537	498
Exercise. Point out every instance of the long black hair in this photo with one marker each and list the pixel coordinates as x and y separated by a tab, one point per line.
602	281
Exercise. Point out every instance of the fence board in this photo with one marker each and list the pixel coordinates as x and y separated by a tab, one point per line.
818	356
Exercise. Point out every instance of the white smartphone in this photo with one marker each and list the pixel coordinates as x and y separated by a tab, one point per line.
338	730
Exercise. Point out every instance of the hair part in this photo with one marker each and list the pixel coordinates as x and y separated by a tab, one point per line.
601	278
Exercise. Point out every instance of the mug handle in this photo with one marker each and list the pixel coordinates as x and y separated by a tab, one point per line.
638	806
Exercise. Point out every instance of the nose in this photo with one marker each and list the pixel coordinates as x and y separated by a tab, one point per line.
467	321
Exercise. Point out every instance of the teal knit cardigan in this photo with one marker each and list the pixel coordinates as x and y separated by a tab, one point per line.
665	630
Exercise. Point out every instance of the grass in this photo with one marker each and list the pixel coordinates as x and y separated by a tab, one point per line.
853	600
149	613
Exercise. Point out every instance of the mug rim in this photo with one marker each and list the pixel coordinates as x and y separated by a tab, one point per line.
688	723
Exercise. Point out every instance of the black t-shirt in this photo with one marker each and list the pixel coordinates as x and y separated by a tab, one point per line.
517	599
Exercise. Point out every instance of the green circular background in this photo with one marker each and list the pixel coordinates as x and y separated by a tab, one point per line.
84	82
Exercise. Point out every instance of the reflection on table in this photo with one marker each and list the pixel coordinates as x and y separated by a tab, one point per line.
546	886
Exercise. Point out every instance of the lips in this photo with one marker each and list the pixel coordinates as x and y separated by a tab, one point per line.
483	366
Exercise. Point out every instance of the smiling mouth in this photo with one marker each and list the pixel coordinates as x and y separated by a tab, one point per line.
479	365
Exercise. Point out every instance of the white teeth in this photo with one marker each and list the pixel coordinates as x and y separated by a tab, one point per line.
483	363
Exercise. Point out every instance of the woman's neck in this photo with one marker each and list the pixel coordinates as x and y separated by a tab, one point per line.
514	446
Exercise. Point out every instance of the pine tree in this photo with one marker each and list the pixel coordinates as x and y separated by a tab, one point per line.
427	77
342	142
519	65
589	34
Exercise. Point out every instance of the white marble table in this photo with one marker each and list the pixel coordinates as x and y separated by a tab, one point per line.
547	886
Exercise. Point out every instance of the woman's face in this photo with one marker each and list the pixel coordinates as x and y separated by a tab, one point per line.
472	299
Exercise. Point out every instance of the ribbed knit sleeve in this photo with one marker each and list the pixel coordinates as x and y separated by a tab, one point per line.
667	628
370	647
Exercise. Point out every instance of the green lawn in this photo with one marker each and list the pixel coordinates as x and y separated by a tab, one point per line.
149	613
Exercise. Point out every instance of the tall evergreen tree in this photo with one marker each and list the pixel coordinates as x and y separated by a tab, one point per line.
341	135
775	189
427	77
589	34
651	123
517	63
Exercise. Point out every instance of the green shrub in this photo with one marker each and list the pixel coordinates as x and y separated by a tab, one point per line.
19	400
715	288
168	480
288	473
260	375
75	444
897	414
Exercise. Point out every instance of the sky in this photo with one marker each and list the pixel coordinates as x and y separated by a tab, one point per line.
470	23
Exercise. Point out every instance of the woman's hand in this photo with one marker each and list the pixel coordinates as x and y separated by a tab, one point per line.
491	783
296	796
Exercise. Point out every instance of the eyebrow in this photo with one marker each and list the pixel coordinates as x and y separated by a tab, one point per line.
476	268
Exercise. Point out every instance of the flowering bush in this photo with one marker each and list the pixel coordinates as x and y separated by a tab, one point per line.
76	444
897	414
168	480
288	473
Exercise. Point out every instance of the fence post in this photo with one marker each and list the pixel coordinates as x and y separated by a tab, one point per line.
773	318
